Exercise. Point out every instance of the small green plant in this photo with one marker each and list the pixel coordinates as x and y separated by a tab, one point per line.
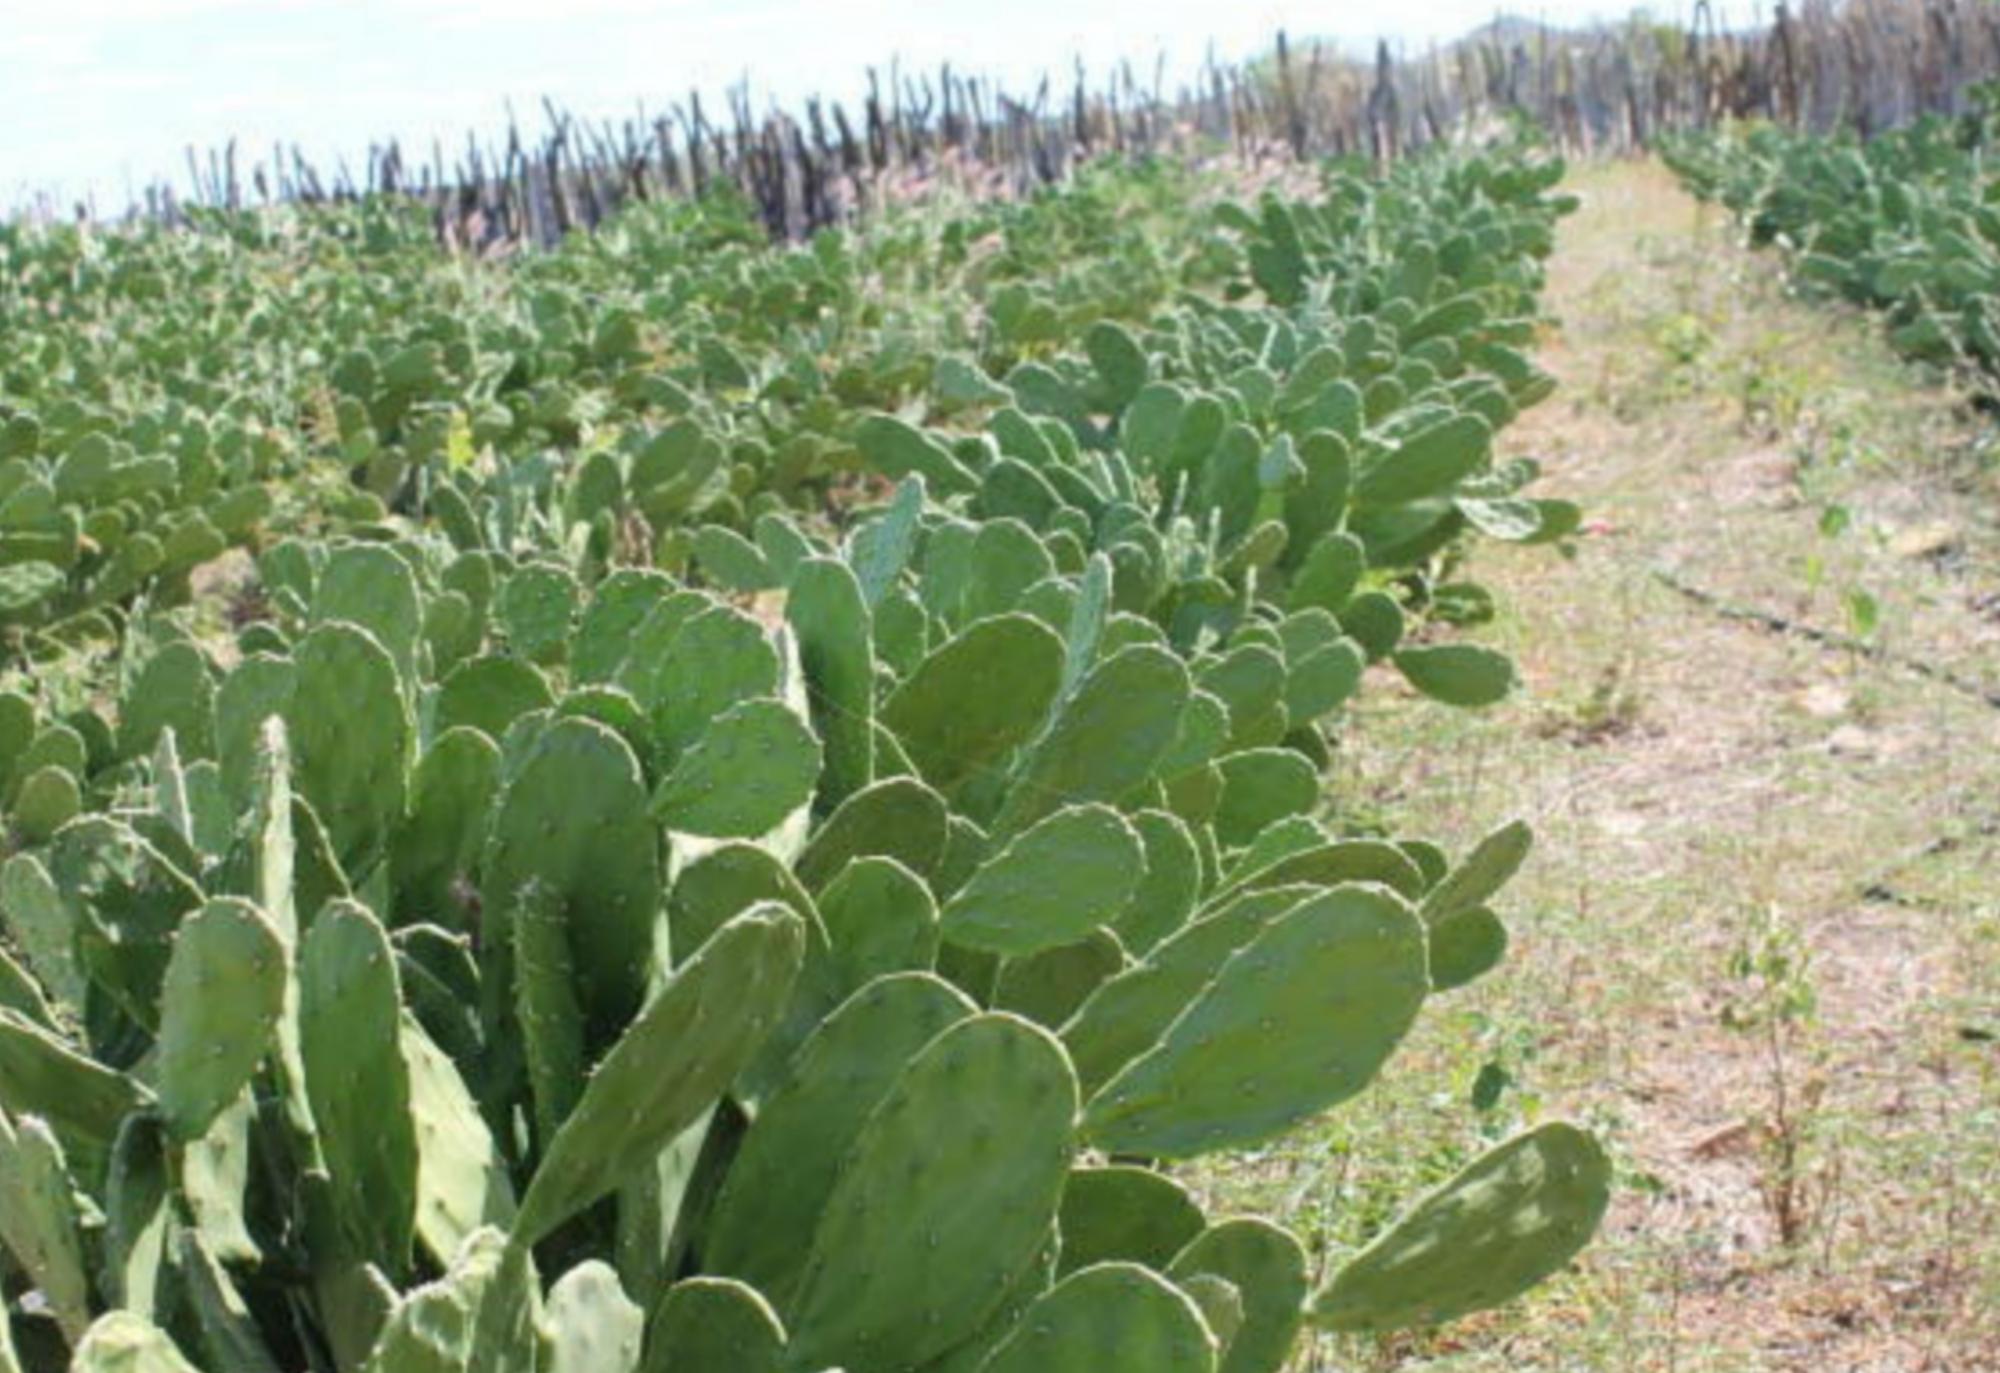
1772	998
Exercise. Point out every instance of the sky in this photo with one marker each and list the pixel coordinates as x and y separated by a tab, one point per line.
98	97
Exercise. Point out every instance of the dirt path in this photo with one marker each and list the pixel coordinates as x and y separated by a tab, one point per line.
1759	944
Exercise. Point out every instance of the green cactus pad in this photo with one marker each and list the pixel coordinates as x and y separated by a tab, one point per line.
1006	558
1298	1020
896	450
350	1020
259	688
20	992
215	1177
434	851
42	927
1329	864
574	818
489	693
1119	360
897	818
1465	945
1374	620
717	658
604	632
1458	674
1515	1215
1111	1315
506	1329
754	765
1048	986
1329	575
714	1325
692	1038
723	882
545	1005
1070	872
978	696
124	899
1275	843
947	1193
1321	678
1124	1213
126	1342
350	738
903	633
880	918
790	1160
48	799
174	690
1107	740
1479	877
591	1325
461	1179
1259	787
826	610
1267	1267
1128	1014
1167	894
535	608
136	1215
1431	461
42	1074
369	586
224	991
225	1329
38	1218
880	549
1250	680
430	1329
1027	1287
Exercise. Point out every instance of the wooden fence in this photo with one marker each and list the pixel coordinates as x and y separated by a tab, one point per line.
1862	64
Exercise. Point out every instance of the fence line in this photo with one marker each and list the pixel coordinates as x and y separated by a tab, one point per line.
1863	65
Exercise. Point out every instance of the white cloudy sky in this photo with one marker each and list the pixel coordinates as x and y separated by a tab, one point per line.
98	95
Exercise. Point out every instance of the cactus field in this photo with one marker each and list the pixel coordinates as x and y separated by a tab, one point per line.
682	804
996	789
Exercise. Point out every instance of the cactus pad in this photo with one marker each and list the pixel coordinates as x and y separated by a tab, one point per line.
1112	1315
350	1023
692	1038
224	990
714	1325
755	764
947	1193
591	1325
1070	872
789	1161
1515	1215
126	1342
1297	1020
1124	1213
979	695
1267	1267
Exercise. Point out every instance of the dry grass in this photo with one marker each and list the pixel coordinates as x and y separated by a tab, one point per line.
1759	944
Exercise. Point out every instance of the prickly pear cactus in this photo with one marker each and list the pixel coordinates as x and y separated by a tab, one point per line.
944	1196
1111	1315
756	956
1515	1215
224	993
671	1064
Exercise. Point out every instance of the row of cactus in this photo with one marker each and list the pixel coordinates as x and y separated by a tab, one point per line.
1903	223
98	522
673	370
666	987
817	949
